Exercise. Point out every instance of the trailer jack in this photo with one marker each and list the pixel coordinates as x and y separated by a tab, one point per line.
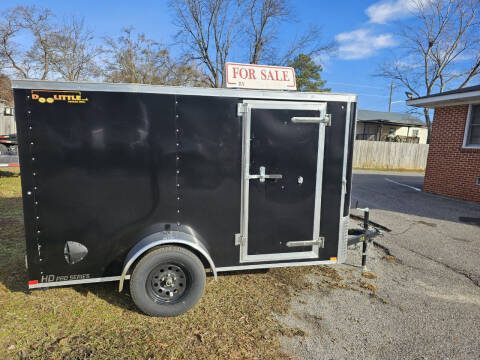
365	234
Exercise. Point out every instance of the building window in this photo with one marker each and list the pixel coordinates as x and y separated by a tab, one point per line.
472	131
415	132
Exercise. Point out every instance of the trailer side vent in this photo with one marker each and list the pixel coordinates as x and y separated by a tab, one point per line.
74	252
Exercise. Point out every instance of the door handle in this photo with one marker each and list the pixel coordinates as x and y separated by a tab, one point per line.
262	176
327	119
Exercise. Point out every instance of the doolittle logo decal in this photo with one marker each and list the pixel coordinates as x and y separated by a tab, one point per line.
50	96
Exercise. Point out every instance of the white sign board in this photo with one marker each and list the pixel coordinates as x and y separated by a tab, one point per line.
250	76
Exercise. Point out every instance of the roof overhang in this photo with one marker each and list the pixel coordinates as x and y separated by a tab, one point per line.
446	100
391	123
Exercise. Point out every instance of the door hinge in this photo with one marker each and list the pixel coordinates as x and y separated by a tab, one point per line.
328	119
239	239
320	242
241	109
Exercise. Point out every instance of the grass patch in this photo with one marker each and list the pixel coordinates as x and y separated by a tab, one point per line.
390	258
369	275
368	286
234	320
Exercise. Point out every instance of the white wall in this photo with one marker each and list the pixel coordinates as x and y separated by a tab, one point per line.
405	131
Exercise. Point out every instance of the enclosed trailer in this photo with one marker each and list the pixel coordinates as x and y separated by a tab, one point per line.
155	184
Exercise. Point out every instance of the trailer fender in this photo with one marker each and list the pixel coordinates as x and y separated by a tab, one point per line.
164	238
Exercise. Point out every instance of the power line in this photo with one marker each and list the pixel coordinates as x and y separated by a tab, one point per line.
356	85
382	96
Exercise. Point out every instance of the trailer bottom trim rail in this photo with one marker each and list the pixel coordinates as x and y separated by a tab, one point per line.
33	285
275	265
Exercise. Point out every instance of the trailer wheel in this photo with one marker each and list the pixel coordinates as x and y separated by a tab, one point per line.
167	281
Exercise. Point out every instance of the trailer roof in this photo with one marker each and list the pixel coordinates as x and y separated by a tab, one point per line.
179	90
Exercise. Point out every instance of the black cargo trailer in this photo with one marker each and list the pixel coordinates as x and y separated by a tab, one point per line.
156	184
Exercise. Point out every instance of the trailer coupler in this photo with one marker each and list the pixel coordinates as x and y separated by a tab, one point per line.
365	234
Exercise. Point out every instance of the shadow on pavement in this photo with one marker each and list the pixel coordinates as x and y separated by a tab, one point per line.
394	192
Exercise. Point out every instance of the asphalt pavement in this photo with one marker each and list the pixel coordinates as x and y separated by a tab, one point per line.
425	300
437	227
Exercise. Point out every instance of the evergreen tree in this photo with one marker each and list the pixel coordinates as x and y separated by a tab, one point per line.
308	74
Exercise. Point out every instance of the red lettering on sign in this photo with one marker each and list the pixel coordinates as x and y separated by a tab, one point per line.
243	73
235	72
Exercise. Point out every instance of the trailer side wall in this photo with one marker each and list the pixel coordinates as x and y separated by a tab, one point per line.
109	170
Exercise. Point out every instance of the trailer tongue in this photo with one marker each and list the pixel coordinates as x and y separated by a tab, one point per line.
155	184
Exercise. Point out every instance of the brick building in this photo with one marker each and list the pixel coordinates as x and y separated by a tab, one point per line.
453	165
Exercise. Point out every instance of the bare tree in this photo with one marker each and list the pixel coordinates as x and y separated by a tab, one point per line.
134	59
441	48
187	73
264	19
74	55
208	29
139	59
34	61
264	16
32	45
307	43
211	30
6	89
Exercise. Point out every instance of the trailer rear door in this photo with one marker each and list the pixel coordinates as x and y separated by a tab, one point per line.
283	149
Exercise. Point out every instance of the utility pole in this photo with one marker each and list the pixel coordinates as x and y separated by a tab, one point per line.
391	93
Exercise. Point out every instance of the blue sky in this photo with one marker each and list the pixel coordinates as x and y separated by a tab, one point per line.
365	31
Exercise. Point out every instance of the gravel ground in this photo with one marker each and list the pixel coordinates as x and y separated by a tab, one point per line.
425	300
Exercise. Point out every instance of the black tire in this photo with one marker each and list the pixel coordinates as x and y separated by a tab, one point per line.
167	281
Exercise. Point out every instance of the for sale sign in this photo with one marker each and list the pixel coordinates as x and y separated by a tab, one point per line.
250	76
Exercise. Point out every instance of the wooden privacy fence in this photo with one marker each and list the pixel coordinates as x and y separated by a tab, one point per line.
7	125
389	155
